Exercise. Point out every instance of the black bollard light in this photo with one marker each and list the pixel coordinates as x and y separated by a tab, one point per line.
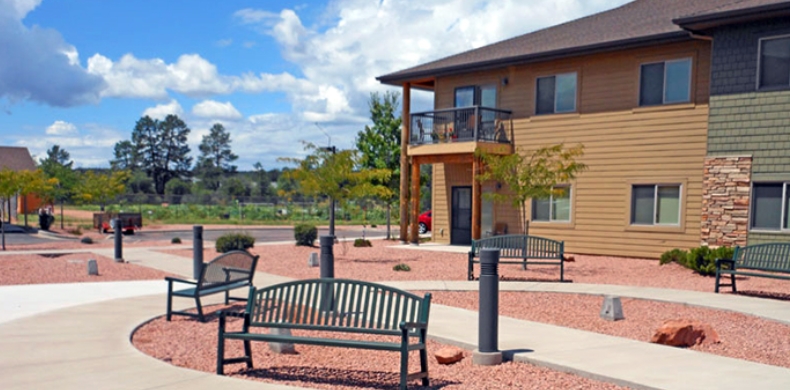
327	271
197	251
487	353
118	229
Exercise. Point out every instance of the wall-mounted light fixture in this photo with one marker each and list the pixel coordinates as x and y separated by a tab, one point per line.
505	81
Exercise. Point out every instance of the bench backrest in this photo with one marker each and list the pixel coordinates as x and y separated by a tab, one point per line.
520	246
353	306
229	268
766	257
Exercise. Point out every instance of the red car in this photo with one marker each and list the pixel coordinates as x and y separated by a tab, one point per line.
425	222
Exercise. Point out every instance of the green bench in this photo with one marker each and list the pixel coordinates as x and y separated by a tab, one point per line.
337	306
522	249
768	259
227	272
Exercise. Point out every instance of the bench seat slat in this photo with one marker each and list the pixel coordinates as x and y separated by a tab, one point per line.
190	292
764	275
329	342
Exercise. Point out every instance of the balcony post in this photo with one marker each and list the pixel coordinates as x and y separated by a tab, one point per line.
404	163
476	199
477	120
415	201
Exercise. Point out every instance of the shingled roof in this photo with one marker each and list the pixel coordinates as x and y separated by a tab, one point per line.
637	23
16	158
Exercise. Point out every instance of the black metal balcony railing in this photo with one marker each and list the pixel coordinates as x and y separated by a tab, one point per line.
467	124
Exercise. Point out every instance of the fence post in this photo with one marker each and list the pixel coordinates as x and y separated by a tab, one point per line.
197	251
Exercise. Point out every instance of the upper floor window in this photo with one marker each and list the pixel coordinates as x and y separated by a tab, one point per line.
556	94
775	62
665	82
769	206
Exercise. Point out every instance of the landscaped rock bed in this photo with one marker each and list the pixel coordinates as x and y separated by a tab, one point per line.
188	343
68	268
742	336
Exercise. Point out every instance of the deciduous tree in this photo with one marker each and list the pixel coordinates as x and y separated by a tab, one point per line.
101	188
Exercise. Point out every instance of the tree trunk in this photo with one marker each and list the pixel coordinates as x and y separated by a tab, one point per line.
2	227
389	219
24	209
61	213
524	218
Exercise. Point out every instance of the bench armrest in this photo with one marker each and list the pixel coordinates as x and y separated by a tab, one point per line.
720	262
225	313
172	279
413	325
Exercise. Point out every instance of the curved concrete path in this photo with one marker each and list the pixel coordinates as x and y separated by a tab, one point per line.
88	346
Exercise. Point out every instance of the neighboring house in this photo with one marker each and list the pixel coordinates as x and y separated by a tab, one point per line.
629	84
747	168
15	159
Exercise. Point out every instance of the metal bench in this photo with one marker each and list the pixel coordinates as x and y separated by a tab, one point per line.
337	306
527	249
766	258
227	272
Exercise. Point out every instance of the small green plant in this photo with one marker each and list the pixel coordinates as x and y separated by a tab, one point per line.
373	225
305	234
234	241
401	267
76	231
86	240
700	259
675	255
362	243
175	240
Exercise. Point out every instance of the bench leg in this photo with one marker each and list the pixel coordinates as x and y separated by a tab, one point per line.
562	269
718	278
248	353
221	346
227	296
404	368
199	310
169	299
732	281
424	365
524	265
470	272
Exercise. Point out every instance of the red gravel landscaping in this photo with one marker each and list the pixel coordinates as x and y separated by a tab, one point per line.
68	268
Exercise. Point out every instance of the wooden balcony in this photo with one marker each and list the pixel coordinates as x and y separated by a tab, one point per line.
461	131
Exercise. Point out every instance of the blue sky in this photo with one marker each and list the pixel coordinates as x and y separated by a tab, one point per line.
80	73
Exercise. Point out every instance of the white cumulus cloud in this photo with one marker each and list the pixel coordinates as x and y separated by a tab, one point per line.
216	110
61	128
160	111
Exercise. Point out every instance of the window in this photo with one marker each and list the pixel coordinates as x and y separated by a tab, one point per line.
465	97
655	205
555	208
665	82
556	94
775	62
769	206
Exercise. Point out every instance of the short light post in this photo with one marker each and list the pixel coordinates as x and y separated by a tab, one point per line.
118	230
487	352
327	271
197	251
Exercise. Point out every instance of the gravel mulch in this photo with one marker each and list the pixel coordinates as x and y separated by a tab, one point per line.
68	268
188	343
742	336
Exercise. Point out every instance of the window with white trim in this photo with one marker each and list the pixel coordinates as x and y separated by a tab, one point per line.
665	82
769	206
774	62
556	94
555	208
655	204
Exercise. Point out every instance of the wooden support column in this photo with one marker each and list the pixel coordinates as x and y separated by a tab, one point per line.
477	201
415	202
404	163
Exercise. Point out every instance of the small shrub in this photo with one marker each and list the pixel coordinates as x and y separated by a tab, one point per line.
175	240
401	267
234	241
362	243
86	240
76	231
305	234
373	225
674	255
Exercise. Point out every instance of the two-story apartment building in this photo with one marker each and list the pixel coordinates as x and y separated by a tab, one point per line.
629	84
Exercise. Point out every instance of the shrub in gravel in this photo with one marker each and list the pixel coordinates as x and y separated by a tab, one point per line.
234	241
86	240
401	267
675	255
362	243
175	240
305	234
701	259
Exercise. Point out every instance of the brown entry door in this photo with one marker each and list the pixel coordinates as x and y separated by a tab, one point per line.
461	224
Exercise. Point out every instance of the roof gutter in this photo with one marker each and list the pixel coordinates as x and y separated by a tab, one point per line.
399	79
711	20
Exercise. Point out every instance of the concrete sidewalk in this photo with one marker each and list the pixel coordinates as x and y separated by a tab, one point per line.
88	346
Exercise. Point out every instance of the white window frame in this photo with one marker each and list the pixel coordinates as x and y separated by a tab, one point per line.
575	93
655	203
664	87
551	200
760	60
782	228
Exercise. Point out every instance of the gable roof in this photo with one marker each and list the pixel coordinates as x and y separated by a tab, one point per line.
634	24
16	158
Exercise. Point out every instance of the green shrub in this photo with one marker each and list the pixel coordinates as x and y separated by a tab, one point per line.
674	255
401	267
305	234
234	241
86	240
362	243
175	240
373	225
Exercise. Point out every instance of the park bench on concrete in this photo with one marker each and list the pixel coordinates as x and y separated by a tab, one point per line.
337	306
227	272
520	249
767	259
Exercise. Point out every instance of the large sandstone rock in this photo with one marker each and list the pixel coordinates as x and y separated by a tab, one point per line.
449	355
685	333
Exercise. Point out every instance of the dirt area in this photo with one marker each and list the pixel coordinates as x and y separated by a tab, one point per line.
188	343
68	268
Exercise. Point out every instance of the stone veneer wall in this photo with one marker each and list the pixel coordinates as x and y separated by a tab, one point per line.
726	189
